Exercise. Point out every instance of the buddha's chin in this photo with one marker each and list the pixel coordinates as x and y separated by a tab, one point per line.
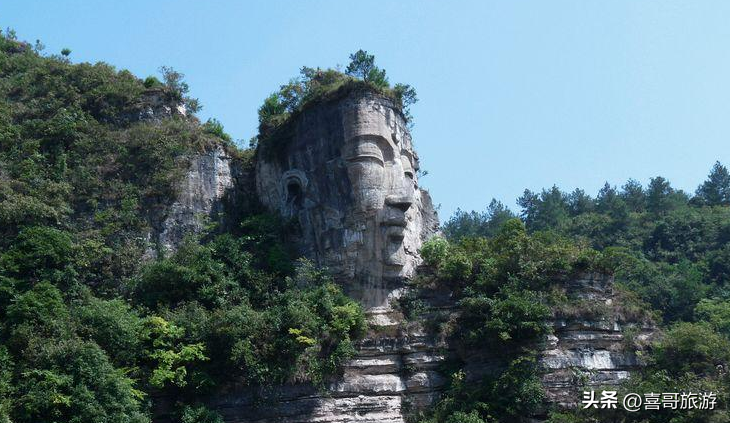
394	258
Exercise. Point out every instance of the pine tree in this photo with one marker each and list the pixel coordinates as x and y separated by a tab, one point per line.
658	195
633	194
715	190
579	202
362	65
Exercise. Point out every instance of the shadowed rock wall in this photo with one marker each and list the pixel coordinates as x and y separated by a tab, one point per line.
346	171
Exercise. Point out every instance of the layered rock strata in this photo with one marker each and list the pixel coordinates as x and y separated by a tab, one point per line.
346	171
392	376
596	344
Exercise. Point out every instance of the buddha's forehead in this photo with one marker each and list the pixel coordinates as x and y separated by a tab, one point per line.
368	120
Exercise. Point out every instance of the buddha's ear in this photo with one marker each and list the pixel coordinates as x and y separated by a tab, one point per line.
293	191
407	166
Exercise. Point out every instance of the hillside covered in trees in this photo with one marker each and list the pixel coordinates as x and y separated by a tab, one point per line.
95	328
669	252
91	332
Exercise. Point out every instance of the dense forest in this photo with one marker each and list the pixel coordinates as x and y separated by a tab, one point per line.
669	252
91	332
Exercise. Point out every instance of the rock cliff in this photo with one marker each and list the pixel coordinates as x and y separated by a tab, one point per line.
597	344
209	179
213	191
392	375
346	171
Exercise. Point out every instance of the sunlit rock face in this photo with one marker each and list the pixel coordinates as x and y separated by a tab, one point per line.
595	347
213	179
209	178
346	171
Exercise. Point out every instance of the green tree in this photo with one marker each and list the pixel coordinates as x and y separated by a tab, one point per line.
661	197
405	94
485	224
692	348
716	312
199	414
497	214
362	65
113	325
73	381
610	202
6	384
633	195
549	209
39	252
177	89
715	191
579	202
214	127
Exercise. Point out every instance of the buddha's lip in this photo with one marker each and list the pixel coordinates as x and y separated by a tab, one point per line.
395	232
395	221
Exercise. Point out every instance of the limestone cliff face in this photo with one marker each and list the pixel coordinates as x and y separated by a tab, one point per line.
345	170
348	175
596	344
214	182
156	104
200	195
393	375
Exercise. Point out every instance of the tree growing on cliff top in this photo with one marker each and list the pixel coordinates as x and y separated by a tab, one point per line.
362	65
314	84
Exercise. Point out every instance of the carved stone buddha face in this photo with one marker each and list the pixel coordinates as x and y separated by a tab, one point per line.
348	176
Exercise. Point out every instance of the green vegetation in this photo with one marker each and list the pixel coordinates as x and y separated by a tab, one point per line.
690	357
91	332
668	251
673	247
508	286
316	85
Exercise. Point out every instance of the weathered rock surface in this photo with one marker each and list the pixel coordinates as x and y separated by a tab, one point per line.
590	348
346	171
201	194
397	370
214	183
348	175
156	104
393	374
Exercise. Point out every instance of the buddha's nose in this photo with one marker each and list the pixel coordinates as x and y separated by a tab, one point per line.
402	200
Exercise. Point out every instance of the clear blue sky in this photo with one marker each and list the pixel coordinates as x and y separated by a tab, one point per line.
513	94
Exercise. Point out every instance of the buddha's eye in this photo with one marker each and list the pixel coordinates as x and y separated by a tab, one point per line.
366	152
